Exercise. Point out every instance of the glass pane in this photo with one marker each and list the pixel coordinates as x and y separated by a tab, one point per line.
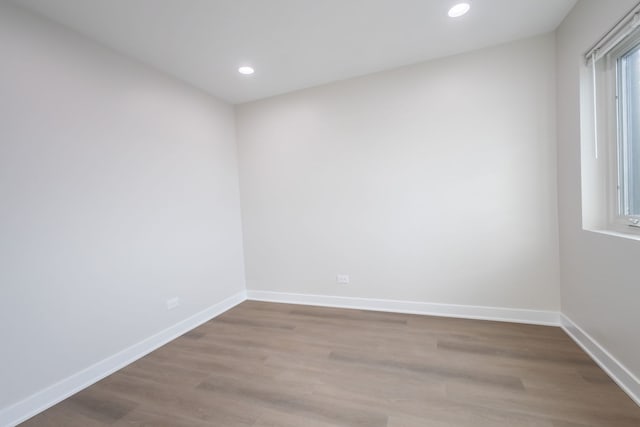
631	134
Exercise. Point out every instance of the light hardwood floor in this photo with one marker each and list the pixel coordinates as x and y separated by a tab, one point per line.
279	365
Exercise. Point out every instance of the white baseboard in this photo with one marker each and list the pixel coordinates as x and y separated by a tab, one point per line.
536	317
48	397
628	382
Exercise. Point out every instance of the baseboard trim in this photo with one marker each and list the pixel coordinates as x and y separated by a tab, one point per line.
48	397
535	317
627	381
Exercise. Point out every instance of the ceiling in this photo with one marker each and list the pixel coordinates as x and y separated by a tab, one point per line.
293	44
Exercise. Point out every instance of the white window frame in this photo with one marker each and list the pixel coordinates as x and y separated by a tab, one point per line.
610	117
602	136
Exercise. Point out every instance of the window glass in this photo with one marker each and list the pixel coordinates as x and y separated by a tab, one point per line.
629	155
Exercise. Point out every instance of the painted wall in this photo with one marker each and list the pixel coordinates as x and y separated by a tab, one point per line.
432	183
118	190
599	273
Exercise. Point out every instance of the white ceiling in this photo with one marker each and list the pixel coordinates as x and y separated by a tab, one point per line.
294	44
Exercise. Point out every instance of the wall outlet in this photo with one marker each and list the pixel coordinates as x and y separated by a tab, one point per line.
173	303
343	279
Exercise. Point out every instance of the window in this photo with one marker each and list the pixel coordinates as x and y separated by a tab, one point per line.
611	165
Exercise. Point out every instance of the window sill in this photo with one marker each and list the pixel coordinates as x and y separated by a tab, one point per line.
631	235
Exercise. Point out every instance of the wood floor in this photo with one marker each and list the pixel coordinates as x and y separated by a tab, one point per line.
278	365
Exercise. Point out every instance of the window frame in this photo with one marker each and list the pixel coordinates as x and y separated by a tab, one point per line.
610	84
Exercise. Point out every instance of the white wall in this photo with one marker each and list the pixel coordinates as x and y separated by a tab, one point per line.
118	190
600	283
434	183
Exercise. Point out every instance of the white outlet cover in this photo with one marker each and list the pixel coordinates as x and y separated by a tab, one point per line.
173	303
342	279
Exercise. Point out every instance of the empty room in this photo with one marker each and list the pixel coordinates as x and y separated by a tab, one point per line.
329	213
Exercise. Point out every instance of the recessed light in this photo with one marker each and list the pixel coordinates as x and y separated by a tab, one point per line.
459	10
246	70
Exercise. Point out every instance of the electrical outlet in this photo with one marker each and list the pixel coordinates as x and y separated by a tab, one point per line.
173	303
343	279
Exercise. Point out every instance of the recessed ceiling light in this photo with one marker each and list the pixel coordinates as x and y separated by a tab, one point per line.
459	10
246	70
